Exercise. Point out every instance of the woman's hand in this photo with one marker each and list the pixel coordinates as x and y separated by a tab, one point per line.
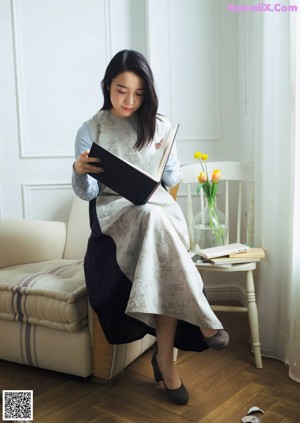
84	164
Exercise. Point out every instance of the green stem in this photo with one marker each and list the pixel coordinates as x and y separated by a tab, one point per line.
214	222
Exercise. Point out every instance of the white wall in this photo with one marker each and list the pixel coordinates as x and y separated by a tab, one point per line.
53	56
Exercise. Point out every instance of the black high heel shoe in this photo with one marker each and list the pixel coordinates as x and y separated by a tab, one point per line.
179	395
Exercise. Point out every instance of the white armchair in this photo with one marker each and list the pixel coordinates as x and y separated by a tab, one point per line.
45	318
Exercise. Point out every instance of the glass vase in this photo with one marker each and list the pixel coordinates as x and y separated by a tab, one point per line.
210	227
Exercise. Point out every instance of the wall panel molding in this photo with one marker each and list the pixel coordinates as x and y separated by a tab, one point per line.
17	48
198	140
195	76
158	50
47	201
184	56
49	66
108	29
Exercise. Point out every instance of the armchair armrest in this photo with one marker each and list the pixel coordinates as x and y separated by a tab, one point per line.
29	241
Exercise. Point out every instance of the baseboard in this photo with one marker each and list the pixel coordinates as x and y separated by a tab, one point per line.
227	293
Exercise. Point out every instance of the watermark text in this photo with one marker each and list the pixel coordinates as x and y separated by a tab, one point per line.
262	7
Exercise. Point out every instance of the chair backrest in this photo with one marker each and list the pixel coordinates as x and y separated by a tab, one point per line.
237	189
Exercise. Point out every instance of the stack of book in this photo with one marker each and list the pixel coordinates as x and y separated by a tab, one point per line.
228	255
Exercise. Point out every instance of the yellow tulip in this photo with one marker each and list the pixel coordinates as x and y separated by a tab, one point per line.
197	155
216	176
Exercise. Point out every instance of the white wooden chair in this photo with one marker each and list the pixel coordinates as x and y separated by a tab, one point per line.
239	178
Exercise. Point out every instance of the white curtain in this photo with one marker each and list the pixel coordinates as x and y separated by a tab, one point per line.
294	346
277	158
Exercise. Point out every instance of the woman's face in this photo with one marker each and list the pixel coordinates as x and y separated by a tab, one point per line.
126	94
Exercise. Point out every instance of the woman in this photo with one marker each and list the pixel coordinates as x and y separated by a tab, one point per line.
140	278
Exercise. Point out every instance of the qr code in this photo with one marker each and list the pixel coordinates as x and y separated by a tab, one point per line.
17	406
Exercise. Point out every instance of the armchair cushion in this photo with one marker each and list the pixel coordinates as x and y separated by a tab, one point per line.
50	294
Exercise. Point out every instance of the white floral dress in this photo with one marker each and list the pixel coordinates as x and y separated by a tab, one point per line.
151	271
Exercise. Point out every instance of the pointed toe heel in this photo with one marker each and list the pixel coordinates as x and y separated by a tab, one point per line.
218	341
179	395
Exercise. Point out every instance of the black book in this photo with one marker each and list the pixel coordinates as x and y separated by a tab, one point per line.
128	180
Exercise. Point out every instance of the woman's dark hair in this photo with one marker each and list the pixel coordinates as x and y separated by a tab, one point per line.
133	61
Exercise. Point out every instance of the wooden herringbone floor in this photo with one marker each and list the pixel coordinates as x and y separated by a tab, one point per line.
223	386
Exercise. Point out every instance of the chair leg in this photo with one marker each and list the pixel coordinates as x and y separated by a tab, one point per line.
253	319
175	354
